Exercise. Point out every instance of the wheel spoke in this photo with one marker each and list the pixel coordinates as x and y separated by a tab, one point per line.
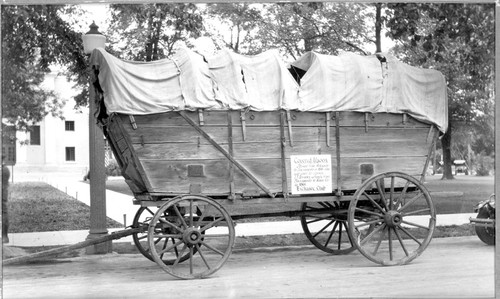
191	260
318	219
374	202
159	235
211	224
191	213
382	193
179	256
370	235
369	212
202	217
411	201
324	227
206	236
181	217
174	245
389	236
149	210
340	234
391	197
416	212
369	223
331	234
198	248
212	248
380	238
410	235
402	194
415	224
171	225
176	250
165	245
401	241
326	205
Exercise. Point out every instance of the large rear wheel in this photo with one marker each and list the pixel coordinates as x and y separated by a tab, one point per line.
391	218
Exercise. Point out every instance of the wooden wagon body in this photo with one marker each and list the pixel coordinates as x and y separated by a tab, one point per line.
346	140
246	154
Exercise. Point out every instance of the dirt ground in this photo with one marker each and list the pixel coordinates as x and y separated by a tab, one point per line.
461	267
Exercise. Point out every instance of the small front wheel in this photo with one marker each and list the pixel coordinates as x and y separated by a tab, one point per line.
141	220
326	226
201	229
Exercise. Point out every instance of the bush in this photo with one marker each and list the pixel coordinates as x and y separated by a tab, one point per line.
112	169
484	165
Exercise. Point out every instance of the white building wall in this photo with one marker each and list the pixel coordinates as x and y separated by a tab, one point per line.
51	153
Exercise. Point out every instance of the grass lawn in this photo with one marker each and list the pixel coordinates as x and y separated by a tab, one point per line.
37	206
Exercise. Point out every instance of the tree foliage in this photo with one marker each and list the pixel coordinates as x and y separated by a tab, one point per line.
458	40
33	38
320	26
242	20
152	31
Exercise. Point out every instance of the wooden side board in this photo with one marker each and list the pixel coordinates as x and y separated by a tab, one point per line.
169	155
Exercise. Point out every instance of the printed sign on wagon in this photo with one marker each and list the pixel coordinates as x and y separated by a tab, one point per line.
311	174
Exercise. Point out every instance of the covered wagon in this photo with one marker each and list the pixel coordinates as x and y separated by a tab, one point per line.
346	139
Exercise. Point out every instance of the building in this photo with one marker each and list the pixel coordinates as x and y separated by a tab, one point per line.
55	144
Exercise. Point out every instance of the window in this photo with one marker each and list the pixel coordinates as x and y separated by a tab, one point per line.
69	125
34	135
70	153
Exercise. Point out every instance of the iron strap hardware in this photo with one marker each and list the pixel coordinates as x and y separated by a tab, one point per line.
284	179
289	122
132	122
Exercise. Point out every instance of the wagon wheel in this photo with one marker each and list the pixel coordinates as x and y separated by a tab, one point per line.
142	219
400	212
207	237
327	230
485	234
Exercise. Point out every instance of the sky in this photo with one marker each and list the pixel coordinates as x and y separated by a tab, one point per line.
97	13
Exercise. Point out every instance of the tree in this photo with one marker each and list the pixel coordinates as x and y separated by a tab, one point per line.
151	31
241	18
458	40
33	38
323	27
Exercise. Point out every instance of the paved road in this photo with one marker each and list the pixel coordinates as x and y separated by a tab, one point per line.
461	267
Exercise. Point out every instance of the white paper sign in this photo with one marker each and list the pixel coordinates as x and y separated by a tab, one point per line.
311	174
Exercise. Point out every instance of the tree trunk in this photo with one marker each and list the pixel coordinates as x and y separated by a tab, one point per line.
446	144
378	27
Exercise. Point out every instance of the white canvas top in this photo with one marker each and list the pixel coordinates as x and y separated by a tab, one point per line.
227	80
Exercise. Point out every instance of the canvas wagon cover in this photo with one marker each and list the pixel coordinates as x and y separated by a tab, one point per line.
348	82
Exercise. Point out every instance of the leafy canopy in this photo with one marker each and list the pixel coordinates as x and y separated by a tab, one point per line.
34	38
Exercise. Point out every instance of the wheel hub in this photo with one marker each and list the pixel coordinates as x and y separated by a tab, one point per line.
192	236
393	218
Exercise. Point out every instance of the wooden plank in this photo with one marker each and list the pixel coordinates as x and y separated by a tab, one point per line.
156	134
132	165
351	168
172	176
383	142
255	150
378	120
